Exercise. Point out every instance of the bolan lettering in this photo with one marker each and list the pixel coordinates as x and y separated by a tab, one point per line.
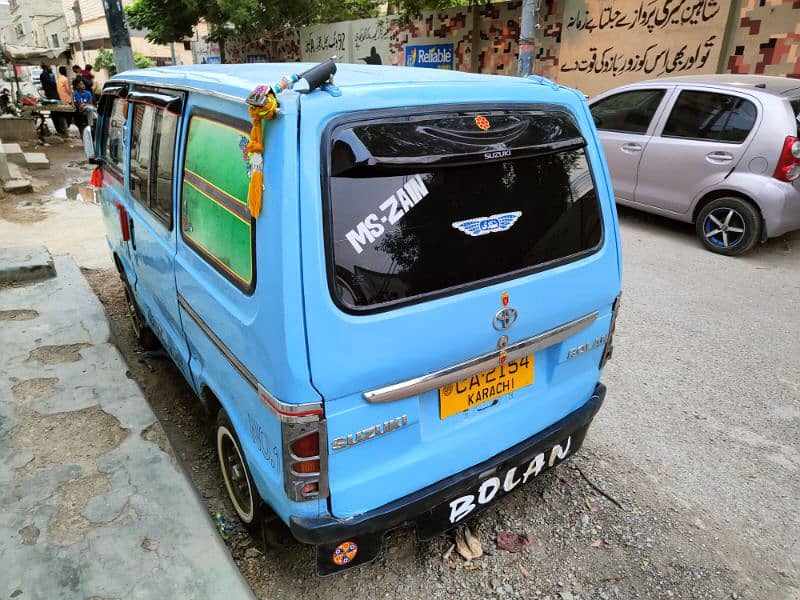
488	490
461	507
534	467
558	452
509	483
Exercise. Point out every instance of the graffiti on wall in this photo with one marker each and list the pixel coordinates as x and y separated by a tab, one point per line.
612	42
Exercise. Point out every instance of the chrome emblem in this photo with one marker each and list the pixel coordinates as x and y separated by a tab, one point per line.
504	318
340	443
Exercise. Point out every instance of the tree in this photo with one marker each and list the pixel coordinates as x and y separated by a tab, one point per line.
165	21
105	60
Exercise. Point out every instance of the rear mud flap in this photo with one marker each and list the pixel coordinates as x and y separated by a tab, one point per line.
337	557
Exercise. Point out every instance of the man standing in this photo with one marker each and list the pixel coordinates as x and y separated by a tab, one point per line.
65	94
48	81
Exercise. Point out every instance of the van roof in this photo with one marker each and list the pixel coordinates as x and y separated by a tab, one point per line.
239	79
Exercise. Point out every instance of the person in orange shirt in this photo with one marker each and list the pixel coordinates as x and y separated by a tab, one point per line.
65	95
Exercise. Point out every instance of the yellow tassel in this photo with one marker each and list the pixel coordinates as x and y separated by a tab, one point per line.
255	192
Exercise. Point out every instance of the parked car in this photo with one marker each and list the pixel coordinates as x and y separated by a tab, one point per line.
719	151
397	334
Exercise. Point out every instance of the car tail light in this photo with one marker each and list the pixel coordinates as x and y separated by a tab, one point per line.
304	460
124	226
788	168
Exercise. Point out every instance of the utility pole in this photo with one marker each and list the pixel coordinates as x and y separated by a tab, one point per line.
120	38
527	31
76	8
475	44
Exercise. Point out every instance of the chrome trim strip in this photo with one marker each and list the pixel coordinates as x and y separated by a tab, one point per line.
473	366
291	413
249	377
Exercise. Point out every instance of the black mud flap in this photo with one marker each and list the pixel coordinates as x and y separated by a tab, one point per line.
349	553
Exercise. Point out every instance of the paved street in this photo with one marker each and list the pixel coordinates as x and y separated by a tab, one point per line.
704	387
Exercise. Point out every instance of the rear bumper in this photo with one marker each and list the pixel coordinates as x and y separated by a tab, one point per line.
425	507
780	205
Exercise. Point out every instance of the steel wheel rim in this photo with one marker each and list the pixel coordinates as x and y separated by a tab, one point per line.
235	475
724	227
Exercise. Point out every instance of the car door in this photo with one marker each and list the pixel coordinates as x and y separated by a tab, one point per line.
625	122
155	117
700	142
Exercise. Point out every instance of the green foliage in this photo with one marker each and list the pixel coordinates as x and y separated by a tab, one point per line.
165	21
105	60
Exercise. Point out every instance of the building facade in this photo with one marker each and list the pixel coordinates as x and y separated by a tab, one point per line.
38	23
91	34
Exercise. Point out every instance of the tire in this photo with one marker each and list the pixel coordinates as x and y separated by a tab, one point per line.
144	335
236	475
729	226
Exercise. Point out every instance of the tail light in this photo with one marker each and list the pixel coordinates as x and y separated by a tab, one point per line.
788	168
609	350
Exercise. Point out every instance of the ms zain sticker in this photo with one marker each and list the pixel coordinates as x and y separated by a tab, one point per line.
491	224
392	210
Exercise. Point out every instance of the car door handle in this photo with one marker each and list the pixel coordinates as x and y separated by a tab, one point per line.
631	148
133	235
719	158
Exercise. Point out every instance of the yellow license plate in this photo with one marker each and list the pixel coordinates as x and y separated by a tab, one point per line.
483	387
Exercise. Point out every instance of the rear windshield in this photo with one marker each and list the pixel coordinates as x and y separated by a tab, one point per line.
424	206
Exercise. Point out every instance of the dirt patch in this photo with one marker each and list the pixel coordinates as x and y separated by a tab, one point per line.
155	434
29	534
79	437
54	355
18	315
22	209
31	390
68	525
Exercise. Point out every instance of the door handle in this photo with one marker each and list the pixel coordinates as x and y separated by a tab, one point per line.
719	157
631	148
133	234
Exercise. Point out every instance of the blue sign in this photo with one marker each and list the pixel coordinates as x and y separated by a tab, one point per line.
430	56
213	60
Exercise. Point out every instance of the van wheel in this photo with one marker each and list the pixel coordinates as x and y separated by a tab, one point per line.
236	475
145	336
729	226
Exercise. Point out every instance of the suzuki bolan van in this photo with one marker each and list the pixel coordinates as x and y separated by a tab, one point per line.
413	323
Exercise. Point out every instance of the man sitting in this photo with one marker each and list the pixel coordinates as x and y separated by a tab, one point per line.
84	103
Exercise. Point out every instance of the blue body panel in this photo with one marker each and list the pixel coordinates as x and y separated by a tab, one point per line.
295	342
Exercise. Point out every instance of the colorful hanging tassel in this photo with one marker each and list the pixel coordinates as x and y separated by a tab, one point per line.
96	180
255	146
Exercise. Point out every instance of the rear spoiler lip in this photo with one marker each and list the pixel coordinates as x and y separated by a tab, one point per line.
484	362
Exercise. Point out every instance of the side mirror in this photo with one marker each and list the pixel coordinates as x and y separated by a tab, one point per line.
88	143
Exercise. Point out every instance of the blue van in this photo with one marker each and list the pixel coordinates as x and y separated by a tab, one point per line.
414	323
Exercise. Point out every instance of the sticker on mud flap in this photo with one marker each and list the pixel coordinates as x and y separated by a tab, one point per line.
491	224
392	209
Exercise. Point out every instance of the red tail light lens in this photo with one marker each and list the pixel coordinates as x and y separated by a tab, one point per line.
306	446
788	168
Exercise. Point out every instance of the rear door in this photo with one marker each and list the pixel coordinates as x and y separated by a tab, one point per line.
155	119
697	146
625	123
432	238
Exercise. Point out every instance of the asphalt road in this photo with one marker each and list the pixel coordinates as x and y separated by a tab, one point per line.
704	387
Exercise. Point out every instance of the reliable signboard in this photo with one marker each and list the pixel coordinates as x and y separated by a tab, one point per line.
430	56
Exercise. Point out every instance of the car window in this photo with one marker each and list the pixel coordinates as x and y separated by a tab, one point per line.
795	104
413	211
711	116
163	153
113	138
629	112
215	220
141	140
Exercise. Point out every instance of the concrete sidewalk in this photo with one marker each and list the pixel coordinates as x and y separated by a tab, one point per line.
92	501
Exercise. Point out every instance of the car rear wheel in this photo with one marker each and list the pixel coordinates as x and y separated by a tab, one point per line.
143	333
729	225
235	473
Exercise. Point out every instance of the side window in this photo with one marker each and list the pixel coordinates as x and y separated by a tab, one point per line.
628	112
215	220
152	152
163	153
141	140
711	116
113	138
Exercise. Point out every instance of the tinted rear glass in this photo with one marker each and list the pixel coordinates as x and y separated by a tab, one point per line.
711	116
467	210
796	111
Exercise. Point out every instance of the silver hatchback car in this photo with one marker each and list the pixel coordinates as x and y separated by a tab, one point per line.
719	151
